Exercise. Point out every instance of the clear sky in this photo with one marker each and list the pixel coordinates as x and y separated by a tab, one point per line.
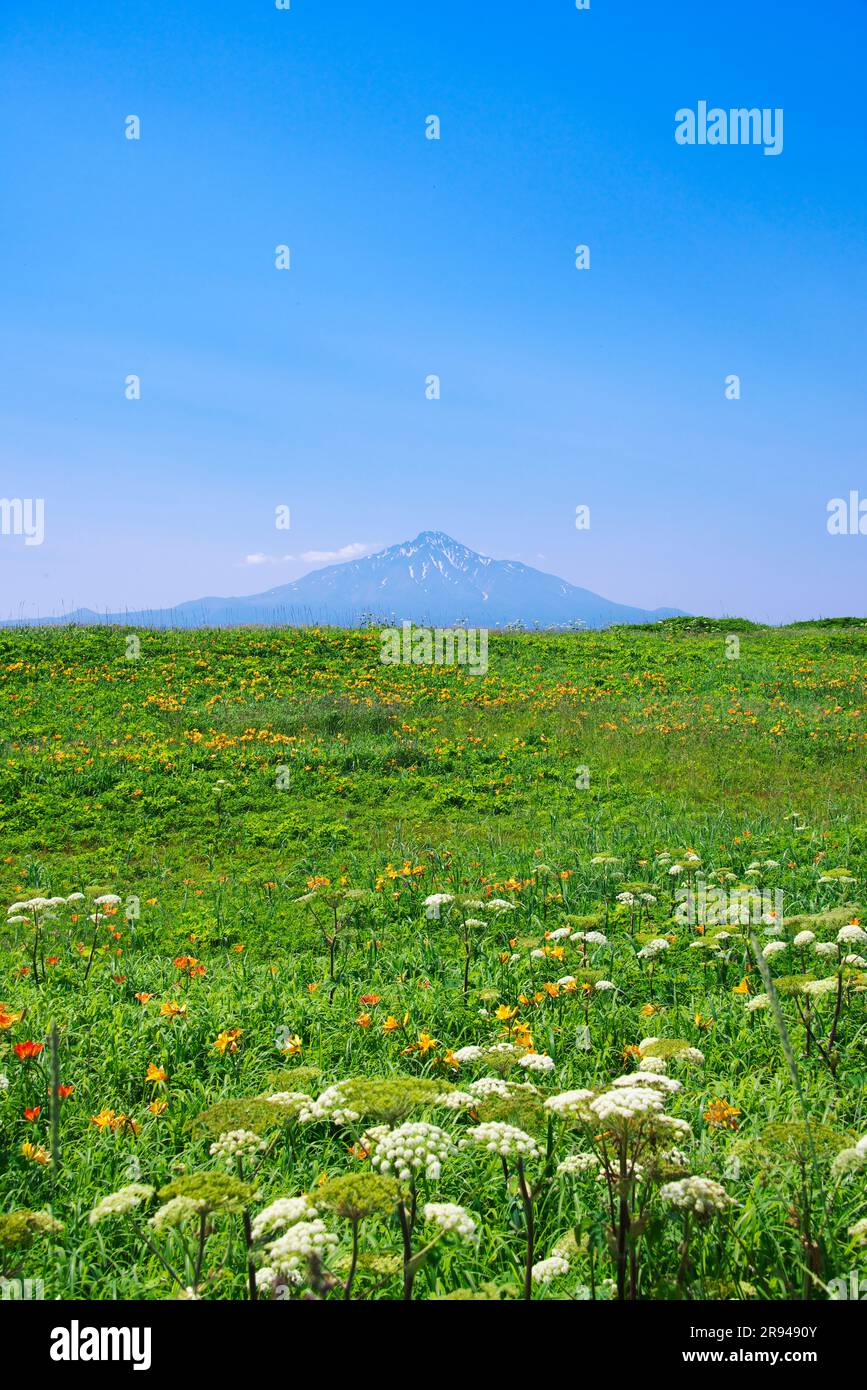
410	256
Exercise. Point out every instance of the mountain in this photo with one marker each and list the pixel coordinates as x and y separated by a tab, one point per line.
433	581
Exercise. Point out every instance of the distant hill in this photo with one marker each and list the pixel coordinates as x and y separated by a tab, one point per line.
432	580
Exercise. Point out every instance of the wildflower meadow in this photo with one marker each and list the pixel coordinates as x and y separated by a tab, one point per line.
323	978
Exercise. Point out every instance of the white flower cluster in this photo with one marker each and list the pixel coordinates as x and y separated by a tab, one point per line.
654	948
774	948
702	1196
451	1218
591	938
626	1104
467	1054
826	948
576	1164
330	1105
175	1212
758	1001
804	938
544	1271
847	936
569	1105
458	1100
671	1126
290	1100
268	1279
237	1143
488	1086
296	1246
816	988
654	1079
657	1065
121	1202
536	1061
506	1140
413	1146
281	1214
434	901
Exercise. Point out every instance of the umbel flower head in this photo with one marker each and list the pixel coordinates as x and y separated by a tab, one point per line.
506	1140
302	1241
545	1271
209	1192
331	1105
626	1105
360	1196
389	1099
571	1105
19	1229
248	1113
451	1219
411	1148
700	1196
576	1164
237	1143
120	1203
281	1214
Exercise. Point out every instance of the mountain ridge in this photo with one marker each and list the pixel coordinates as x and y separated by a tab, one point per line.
431	580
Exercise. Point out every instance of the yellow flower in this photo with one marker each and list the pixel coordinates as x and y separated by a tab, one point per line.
720	1115
227	1041
743	987
649	1010
105	1119
390	1024
363	1020
292	1045
172	1009
504	1012
157	1107
155	1074
426	1042
35	1152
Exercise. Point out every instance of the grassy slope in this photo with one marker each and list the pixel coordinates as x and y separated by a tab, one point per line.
107	782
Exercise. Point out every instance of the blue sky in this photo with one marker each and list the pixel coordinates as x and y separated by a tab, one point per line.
409	257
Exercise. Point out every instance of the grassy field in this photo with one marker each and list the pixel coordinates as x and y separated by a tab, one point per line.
268	813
